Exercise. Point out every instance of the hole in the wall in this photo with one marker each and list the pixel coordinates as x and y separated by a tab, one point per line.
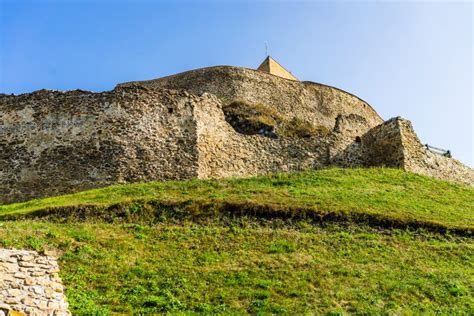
259	119
358	140
170	110
250	119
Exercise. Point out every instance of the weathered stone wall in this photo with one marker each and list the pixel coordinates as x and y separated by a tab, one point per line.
223	152
394	144
345	148
316	103
30	284
58	142
420	160
383	145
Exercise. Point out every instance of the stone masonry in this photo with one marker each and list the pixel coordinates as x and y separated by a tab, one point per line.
59	142
30	284
54	142
314	102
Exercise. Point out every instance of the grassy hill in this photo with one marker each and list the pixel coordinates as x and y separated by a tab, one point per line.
328	241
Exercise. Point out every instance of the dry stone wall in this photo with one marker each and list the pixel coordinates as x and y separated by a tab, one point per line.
60	142
30	284
345	148
383	145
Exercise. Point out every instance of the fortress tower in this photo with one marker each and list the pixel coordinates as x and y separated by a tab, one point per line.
272	67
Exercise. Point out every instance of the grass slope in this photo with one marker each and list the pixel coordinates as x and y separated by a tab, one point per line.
252	267
384	194
167	247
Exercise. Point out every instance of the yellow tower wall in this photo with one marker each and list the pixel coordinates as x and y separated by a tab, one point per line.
274	68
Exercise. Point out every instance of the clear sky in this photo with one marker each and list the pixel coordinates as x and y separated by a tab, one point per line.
409	59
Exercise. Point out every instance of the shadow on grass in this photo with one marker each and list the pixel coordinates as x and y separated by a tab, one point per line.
153	211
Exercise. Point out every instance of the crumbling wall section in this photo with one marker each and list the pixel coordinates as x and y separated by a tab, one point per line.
223	152
382	146
312	102
55	142
420	160
345	146
30	284
60	142
395	144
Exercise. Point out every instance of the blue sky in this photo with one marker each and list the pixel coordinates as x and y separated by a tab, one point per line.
409	59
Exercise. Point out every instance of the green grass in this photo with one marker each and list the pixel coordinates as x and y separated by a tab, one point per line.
244	266
333	241
386	195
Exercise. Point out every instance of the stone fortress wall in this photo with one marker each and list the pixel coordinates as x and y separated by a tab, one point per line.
223	152
418	159
59	142
174	128
316	103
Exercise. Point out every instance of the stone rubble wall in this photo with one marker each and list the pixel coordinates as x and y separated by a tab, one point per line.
345	148
30	284
420	160
378	147
394	144
383	146
223	152
316	103
59	142
55	142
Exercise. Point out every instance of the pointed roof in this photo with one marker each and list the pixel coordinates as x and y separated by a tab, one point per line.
271	66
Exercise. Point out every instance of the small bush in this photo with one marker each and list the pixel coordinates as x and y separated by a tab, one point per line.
82	235
35	243
297	127
251	119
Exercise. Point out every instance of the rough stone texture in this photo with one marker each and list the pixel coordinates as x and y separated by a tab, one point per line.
29	283
345	148
395	144
55	142
223	152
319	104
420	160
383	145
58	142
